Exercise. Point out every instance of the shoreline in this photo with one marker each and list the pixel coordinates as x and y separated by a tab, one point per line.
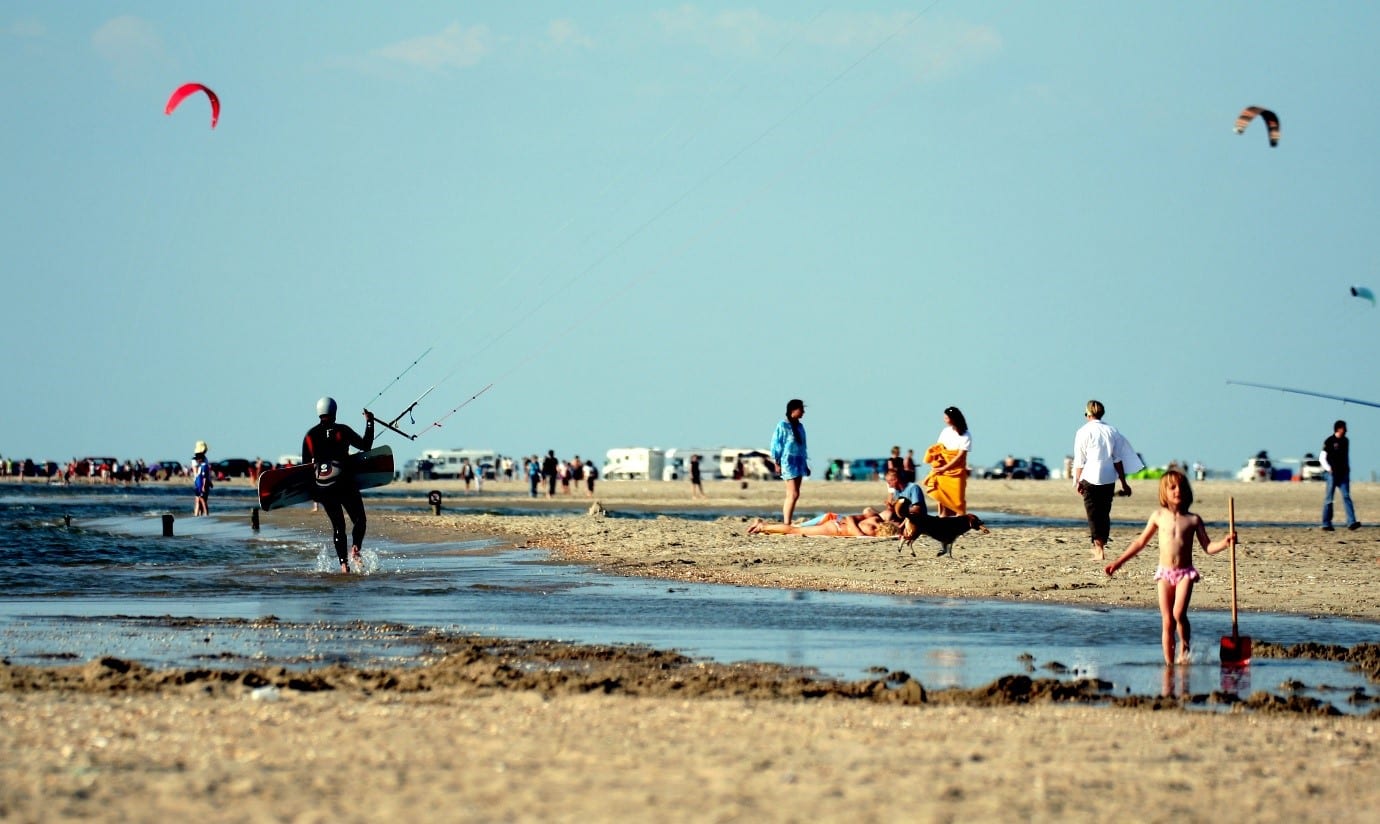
1287	566
497	729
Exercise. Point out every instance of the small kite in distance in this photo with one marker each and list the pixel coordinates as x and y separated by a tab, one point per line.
1363	292
1271	121
191	88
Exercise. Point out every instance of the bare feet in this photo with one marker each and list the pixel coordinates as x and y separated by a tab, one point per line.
356	557
756	527
345	568
1098	552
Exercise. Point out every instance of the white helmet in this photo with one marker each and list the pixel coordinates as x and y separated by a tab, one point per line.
325	406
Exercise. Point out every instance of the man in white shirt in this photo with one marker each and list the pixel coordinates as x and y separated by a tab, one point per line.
1101	457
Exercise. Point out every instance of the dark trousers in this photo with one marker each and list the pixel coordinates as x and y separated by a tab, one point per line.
338	500
1097	502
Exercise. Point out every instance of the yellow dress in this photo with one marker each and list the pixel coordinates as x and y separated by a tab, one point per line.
948	488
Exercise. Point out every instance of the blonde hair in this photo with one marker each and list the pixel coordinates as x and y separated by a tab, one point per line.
1096	409
1185	491
888	529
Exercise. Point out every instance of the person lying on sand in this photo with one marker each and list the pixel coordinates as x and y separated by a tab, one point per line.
867	525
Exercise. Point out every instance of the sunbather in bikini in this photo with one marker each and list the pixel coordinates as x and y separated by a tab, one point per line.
868	524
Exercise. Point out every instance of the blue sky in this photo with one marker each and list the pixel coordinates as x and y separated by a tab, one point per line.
653	224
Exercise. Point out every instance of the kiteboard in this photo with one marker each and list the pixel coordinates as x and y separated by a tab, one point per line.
290	485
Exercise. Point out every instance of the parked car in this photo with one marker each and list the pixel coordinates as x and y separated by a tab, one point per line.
418	469
1019	469
163	470
864	469
1258	468
91	466
1311	469
233	468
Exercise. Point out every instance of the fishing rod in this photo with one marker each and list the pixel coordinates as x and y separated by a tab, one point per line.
1307	392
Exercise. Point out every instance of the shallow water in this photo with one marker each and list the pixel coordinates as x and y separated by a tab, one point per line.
110	584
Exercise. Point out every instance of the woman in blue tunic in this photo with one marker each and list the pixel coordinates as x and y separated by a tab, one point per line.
789	454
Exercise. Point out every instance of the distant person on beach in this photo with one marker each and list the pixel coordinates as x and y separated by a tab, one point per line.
201	481
1177	528
1336	462
326	447
1101	458
909	465
577	472
549	467
696	479
947	482
591	475
534	474
896	462
789	453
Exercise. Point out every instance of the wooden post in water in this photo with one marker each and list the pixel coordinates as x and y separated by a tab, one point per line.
167	525
254	519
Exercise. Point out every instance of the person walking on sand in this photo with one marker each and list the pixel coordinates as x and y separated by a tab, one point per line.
533	474
789	454
1101	458
1336	461
947	482
696	479
326	448
591	475
201	481
549	468
1177	528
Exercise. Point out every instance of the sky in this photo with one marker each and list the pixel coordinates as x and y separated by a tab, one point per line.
615	224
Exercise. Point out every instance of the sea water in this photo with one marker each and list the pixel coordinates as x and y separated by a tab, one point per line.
89	573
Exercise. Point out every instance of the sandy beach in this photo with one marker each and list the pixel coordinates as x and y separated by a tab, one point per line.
514	731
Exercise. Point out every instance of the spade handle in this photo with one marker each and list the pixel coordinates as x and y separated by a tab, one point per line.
1231	527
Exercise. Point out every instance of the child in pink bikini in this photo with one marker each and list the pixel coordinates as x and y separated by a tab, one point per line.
1177	528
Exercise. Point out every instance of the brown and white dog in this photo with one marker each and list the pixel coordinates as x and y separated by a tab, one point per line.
915	521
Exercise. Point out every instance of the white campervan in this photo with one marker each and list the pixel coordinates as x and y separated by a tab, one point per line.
445	463
639	463
755	463
677	465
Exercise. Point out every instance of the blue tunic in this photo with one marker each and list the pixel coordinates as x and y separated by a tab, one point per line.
788	451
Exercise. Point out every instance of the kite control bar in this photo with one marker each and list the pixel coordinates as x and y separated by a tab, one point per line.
393	424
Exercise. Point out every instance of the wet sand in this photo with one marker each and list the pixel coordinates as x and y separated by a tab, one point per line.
511	730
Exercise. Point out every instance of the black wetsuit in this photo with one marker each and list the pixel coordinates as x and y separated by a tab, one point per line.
326	447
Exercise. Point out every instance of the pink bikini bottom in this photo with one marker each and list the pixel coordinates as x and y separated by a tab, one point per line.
1176	574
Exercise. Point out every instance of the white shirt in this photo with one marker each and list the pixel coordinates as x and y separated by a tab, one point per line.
1097	447
950	439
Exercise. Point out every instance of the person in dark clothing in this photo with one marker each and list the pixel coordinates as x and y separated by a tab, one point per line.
549	468
326	448
1336	460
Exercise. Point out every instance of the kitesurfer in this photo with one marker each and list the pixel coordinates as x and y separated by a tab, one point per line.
326	448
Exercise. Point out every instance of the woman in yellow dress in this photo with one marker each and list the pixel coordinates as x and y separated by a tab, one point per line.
947	482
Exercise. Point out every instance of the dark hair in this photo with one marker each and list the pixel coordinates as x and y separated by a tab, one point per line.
960	424
794	404
1338	425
